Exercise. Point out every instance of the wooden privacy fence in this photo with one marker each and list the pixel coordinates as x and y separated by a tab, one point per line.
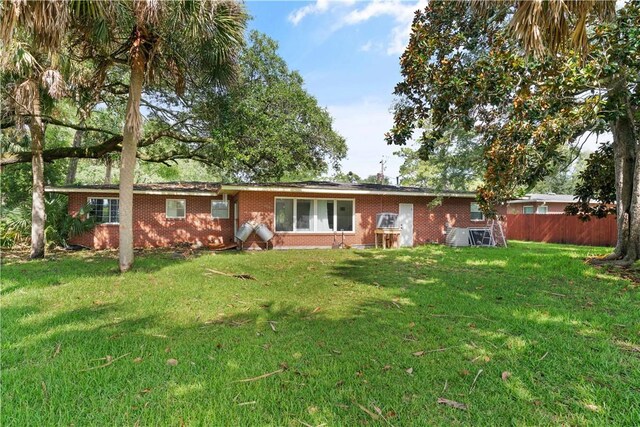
562	229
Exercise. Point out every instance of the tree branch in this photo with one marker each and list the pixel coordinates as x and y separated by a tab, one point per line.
92	152
52	121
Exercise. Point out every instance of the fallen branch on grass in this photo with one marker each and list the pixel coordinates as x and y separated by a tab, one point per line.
555	294
109	360
452	403
57	350
259	377
237	276
371	414
473	385
423	352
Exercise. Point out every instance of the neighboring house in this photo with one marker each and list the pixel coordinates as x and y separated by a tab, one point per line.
540	204
302	215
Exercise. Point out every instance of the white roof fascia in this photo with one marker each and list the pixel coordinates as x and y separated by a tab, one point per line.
116	191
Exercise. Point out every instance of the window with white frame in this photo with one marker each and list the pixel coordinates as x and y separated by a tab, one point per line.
476	213
105	211
314	215
527	210
543	210
220	209
176	208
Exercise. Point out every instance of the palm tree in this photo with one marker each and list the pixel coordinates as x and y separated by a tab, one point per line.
32	35
166	40
163	42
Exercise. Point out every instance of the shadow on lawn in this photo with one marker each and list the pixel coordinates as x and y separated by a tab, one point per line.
465	317
514	310
59	267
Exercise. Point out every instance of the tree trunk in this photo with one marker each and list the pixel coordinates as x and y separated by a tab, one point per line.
38	216
73	163
108	161
130	136
627	170
633	244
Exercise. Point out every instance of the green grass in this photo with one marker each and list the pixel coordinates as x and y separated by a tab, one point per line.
346	326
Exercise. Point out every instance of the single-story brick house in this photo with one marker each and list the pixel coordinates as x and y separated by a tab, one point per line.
540	204
301	214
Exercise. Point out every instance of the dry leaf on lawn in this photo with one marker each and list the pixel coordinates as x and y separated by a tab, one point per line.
505	375
409	371
452	403
172	362
418	353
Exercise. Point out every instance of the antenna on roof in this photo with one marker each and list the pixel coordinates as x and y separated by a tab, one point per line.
380	177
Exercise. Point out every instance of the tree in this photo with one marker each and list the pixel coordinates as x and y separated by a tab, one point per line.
596	182
565	176
236	131
268	125
454	163
32	61
459	70
349	177
165	44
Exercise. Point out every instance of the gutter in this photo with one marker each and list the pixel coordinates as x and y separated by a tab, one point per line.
116	191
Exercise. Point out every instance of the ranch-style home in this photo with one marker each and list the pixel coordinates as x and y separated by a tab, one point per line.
540	204
299	214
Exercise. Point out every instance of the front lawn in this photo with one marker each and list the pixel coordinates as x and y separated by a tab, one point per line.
349	338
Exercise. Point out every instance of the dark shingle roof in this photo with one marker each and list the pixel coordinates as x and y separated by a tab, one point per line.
209	187
345	186
187	187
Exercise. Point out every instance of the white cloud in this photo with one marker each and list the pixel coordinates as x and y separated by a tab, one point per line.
399	39
316	8
320	6
399	11
363	124
367	46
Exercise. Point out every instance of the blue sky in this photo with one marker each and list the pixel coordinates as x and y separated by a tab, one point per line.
348	54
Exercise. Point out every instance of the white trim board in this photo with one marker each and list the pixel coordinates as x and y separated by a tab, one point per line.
116	191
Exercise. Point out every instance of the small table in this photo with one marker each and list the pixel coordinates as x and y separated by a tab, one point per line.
386	233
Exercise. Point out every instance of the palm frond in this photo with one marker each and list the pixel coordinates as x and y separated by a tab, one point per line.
18	219
24	96
54	83
548	25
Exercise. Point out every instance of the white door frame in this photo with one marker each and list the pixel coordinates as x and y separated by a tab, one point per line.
405	220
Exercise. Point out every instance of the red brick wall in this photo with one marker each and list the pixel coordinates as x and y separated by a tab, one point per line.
428	223
151	227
